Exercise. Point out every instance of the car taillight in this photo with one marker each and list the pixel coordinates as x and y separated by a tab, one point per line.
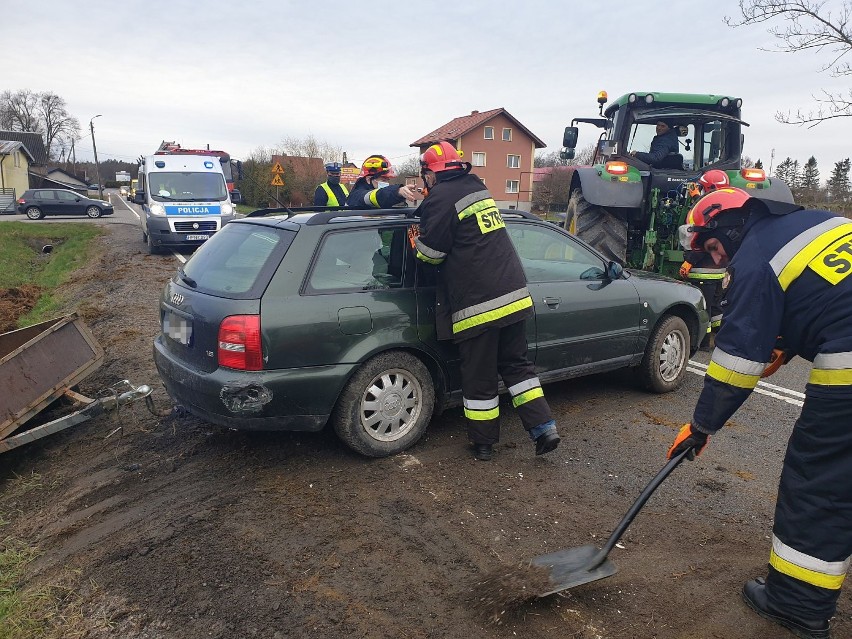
21	200
616	168
753	175
239	343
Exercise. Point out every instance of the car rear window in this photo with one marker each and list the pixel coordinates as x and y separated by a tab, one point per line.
239	260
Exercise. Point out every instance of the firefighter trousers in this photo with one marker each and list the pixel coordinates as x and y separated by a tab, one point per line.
500	351
812	534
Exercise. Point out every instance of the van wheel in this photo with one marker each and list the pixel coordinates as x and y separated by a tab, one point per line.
34	213
663	367
93	212
152	250
386	405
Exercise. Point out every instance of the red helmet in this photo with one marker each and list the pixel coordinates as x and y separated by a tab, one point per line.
377	165
442	156
714	179
702	217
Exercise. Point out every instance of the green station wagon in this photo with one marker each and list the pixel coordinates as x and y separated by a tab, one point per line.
289	319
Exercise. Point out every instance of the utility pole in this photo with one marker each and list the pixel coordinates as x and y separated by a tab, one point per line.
97	166
73	159
771	159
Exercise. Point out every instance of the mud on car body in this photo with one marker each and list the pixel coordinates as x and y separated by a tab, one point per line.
289	319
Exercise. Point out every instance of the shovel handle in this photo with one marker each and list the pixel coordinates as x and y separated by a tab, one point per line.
673	463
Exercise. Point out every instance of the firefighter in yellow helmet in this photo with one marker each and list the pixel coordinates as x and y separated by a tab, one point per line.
373	191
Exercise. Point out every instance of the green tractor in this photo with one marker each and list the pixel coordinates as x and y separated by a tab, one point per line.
628	209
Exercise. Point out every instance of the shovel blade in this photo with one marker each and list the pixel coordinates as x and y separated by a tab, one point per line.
573	567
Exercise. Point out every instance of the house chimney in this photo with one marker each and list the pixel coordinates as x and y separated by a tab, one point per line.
474	112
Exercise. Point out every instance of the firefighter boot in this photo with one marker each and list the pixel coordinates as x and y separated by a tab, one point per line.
754	594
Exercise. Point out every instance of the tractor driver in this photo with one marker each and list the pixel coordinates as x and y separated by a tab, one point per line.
663	146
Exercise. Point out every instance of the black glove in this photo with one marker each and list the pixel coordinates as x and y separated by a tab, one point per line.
688	438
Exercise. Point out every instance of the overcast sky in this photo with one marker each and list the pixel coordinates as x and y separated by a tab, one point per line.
372	78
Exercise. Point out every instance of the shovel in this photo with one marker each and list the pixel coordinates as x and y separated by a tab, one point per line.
577	566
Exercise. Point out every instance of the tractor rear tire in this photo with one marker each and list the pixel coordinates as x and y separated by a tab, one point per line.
605	232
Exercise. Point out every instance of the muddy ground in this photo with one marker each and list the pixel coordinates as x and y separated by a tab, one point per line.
175	528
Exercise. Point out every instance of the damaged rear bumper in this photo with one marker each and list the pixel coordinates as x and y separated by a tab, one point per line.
299	399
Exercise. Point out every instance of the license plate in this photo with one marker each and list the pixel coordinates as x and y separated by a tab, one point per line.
193	238
178	328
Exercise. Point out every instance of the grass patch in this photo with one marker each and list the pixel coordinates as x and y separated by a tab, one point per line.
22	262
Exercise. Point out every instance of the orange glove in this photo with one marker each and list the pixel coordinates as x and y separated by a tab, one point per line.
688	438
685	268
413	234
776	360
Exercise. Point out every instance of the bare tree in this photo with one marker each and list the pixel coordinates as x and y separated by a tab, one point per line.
19	111
808	24
58	126
310	147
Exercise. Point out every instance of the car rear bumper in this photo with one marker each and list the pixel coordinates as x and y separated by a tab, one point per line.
298	399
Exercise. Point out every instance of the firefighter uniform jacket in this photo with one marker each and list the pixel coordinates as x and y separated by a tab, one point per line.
364	196
330	195
791	277
481	276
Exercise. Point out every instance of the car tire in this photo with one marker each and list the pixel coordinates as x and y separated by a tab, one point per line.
93	212
386	405
605	232
34	213
663	367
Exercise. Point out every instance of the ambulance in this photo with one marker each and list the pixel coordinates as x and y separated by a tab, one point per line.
184	200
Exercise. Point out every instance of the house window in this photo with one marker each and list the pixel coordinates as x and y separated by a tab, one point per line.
507	135
489	133
478	159
512	186
513	161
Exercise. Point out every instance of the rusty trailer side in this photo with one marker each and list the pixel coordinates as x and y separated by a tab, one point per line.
39	363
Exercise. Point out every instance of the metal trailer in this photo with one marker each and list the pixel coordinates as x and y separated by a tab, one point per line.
40	364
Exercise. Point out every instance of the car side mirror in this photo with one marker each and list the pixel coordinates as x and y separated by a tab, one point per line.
566	154
239	165
139	198
569	138
614	270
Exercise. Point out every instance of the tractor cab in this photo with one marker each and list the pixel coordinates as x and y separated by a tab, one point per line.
630	200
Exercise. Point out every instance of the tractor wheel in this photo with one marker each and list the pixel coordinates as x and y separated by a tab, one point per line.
596	226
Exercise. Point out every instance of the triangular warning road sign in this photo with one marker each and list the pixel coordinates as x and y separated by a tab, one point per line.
277	181
278	168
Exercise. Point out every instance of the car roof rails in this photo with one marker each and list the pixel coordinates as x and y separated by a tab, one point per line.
325	214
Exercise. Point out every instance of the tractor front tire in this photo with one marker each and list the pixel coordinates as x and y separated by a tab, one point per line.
605	232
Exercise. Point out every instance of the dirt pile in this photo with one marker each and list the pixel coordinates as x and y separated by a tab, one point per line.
15	302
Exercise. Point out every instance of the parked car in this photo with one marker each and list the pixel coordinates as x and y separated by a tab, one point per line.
288	319
36	203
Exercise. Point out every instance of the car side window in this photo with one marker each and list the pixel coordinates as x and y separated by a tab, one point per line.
548	255
359	260
46	195
65	196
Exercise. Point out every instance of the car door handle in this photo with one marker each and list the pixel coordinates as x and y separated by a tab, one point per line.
552	302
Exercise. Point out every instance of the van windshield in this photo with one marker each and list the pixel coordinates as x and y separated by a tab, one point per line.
187	186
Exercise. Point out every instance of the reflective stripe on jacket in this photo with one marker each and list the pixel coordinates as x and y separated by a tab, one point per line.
481	277
792	276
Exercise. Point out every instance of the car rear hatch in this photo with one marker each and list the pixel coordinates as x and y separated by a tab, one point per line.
225	278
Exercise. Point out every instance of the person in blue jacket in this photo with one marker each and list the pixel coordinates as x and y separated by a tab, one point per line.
663	145
373	191
789	277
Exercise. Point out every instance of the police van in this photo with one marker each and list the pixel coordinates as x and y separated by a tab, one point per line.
184	200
